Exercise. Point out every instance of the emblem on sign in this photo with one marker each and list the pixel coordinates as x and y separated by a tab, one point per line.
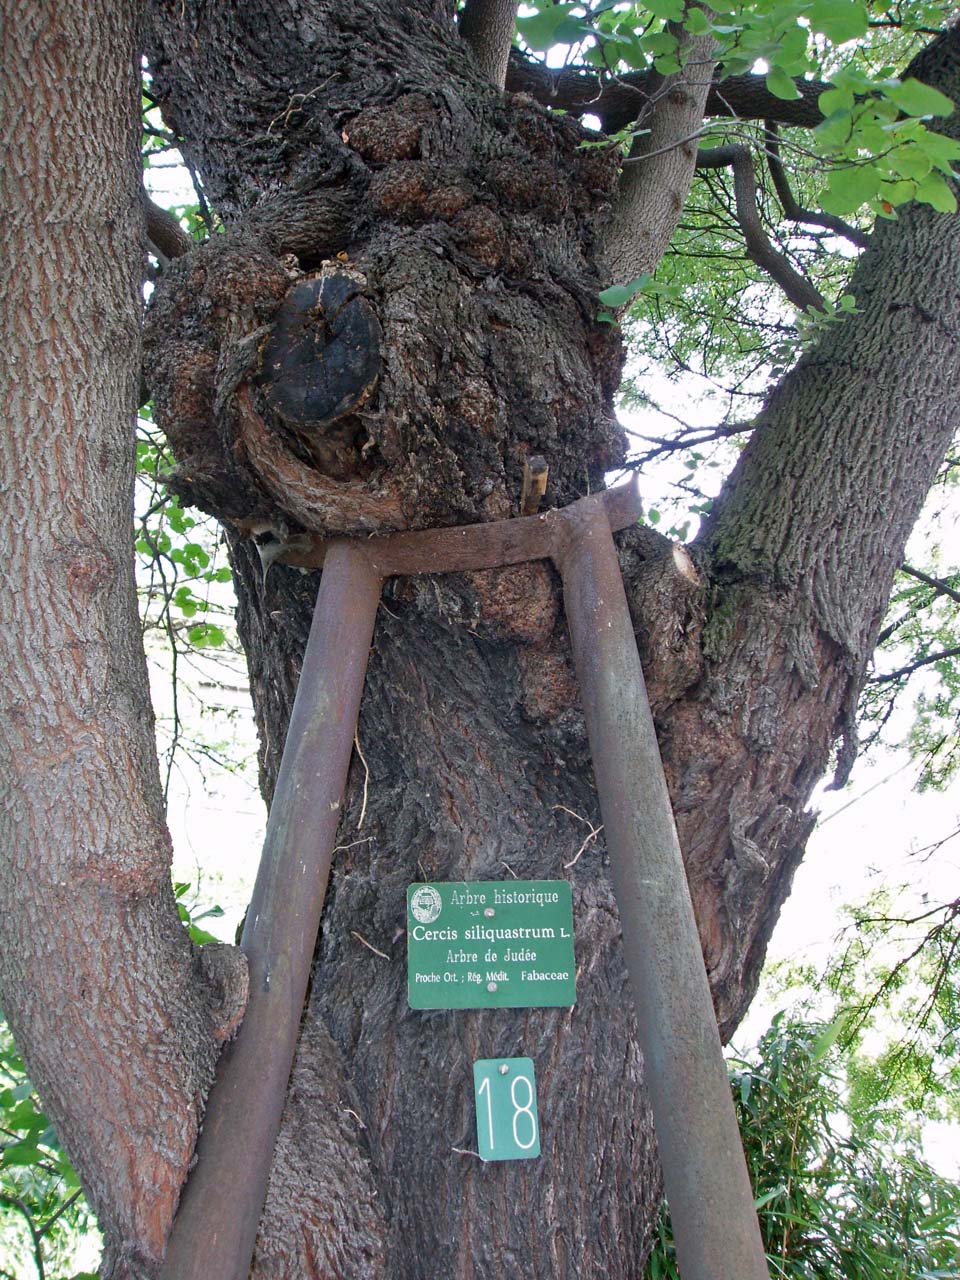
425	904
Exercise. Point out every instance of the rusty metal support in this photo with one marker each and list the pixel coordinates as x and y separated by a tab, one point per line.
215	1229
715	1224
714	1221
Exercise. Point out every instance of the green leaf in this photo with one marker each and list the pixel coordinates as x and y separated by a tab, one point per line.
697	22
896	192
551	26
918	99
781	86
660	42
910	162
619	294
21	1154
200	936
835	130
850	188
667	64
941	149
933	190
829	1036
196	552
671	10
839	20
836	99
790	51
206	636
26	1116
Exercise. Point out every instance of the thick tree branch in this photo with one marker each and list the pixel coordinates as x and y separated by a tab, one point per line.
166	236
759	247
616	101
654	187
942	588
791	208
487	26
101	984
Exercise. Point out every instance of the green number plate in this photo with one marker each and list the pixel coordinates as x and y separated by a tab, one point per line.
506	1095
490	945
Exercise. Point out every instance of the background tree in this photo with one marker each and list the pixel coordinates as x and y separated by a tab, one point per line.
462	234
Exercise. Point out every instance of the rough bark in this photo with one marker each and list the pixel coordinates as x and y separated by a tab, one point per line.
92	957
488	26
470	727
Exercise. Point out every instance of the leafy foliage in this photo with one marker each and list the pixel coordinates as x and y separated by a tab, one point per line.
833	1100
877	136
43	1215
919	653
842	1190
894	968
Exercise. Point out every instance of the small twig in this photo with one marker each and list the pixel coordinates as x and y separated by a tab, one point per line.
42	1231
594	832
461	1152
205	214
576	857
369	945
342	848
296	104
680	142
366	778
13	1202
510	869
791	206
350	1112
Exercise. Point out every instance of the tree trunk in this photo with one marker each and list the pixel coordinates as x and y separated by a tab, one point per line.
472	231
93	957
471	223
438	245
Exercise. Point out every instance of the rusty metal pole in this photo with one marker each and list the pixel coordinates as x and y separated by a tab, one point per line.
714	1221
215	1229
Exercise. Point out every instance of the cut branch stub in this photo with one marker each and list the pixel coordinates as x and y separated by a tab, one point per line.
322	360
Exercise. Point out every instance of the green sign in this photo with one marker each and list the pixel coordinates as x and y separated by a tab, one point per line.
490	945
506	1096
